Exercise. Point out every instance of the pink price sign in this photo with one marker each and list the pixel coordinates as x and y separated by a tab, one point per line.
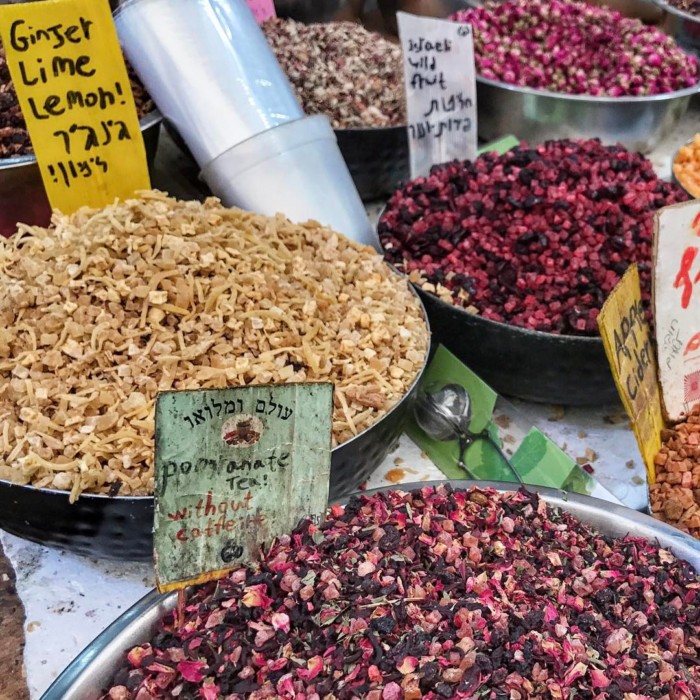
262	9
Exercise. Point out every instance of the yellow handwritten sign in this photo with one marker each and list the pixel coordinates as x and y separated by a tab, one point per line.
72	84
630	352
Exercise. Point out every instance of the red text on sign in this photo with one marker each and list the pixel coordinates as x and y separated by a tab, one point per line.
683	278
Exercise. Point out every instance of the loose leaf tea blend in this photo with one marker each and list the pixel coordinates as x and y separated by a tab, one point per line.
110	306
675	497
437	593
340	69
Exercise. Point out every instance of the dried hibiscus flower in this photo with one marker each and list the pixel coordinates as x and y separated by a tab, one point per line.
437	593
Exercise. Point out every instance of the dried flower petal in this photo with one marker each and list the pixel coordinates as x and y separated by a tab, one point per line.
501	628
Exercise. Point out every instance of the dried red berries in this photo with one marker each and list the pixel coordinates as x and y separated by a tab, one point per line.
438	593
574	48
537	237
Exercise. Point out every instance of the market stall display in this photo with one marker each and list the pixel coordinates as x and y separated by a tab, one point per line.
109	307
686	167
512	256
515	254
22	194
567	69
675	497
354	607
355	77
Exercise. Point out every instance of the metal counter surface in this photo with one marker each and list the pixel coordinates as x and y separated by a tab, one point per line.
70	599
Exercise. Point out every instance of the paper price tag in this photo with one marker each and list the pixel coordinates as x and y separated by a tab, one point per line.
440	90
677	305
262	9
73	87
235	468
630	352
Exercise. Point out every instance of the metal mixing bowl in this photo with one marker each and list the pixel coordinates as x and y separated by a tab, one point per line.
682	26
639	123
22	194
93	670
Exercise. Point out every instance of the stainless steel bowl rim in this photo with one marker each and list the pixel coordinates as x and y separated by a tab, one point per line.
362	129
676	11
147	121
554	337
683	546
596	99
395	407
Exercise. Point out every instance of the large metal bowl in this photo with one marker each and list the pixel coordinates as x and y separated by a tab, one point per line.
682	26
92	671
22	194
639	123
121	527
377	158
531	365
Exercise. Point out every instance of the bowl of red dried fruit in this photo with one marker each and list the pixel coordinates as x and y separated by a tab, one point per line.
561	69
22	194
441	590
514	255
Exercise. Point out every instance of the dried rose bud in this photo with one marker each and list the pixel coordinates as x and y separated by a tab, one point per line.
574	48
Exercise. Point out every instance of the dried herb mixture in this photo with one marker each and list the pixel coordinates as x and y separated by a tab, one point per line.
575	48
110	306
437	593
340	69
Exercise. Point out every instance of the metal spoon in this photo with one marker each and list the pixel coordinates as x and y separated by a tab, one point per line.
445	415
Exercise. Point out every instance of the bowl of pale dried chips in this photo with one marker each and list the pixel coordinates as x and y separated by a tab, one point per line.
108	307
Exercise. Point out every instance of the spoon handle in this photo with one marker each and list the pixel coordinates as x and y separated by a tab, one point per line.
503	456
464	442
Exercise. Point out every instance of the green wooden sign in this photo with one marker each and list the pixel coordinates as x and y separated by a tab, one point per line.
235	468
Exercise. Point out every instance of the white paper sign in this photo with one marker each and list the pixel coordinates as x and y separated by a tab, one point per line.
440	90
677	305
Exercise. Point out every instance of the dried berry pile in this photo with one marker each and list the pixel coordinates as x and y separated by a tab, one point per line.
690	6
675	497
340	69
537	237
14	137
439	593
575	48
